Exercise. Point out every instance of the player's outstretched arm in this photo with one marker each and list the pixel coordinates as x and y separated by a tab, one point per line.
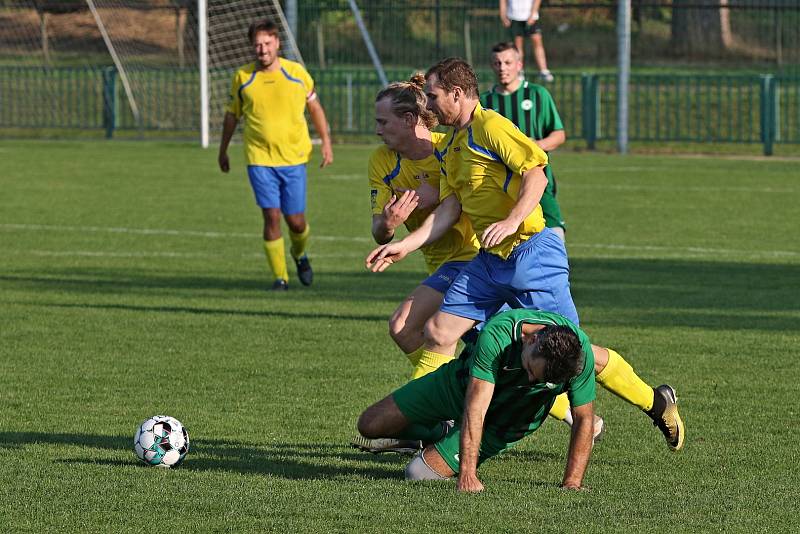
435	226
580	446
321	126
534	182
476	404
228	127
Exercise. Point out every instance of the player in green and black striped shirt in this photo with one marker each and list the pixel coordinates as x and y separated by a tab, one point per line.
531	108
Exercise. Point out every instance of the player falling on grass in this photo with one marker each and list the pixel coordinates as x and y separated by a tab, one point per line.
493	173
404	176
272	95
532	109
497	392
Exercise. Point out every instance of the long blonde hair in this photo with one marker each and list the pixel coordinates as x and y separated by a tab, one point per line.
409	97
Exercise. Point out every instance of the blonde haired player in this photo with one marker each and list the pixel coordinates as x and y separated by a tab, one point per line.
404	177
493	174
272	95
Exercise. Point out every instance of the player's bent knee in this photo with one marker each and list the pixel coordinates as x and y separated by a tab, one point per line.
418	469
368	424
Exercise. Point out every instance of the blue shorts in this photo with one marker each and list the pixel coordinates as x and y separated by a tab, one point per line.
443	277
279	187
535	276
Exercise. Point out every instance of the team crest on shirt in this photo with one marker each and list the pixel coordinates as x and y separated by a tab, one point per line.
526	105
373	197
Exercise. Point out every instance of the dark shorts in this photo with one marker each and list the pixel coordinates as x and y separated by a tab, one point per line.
442	278
520	28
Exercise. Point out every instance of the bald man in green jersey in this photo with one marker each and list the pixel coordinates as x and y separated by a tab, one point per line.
532	109
497	392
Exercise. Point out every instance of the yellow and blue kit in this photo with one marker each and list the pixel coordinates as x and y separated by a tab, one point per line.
483	164
273	104
390	172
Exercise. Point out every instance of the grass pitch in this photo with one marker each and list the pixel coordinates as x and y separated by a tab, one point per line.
132	282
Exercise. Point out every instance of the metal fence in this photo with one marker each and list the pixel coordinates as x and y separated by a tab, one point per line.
723	34
663	108
697	65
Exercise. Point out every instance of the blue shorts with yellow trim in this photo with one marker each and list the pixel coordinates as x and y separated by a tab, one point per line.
443	277
279	187
535	276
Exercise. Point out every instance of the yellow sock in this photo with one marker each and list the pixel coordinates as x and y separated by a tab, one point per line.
619	378
560	409
276	258
299	242
428	362
414	357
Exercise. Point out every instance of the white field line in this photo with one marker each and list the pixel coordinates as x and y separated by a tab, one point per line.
215	235
143	254
676	188
156	231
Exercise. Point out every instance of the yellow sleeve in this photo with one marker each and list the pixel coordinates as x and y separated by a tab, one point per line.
234	103
308	83
516	150
379	192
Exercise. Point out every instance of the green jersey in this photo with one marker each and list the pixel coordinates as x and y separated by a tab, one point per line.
519	407
531	108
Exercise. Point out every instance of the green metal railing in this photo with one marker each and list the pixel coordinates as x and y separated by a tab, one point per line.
663	108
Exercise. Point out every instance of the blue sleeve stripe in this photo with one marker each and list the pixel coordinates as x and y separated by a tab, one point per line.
291	78
440	155
392	175
245	84
508	180
483	150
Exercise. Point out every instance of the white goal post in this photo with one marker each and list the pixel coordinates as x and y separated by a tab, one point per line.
223	46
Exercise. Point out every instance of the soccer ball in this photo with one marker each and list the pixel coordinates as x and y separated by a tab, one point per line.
161	441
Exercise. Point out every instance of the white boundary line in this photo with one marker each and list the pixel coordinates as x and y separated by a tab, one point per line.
222	235
155	231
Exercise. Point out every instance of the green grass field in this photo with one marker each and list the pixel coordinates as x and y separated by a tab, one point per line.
132	282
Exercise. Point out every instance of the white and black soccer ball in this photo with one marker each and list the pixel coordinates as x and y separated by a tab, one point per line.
161	441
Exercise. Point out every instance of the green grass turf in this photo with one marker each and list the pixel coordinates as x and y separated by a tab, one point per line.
132	282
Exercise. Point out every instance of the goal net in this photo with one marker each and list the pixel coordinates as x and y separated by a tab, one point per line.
228	48
207	42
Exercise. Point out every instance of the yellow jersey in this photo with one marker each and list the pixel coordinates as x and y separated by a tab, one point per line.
483	166
273	105
388	171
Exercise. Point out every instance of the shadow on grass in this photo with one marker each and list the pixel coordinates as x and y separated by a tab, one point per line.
631	292
336	285
218	311
285	460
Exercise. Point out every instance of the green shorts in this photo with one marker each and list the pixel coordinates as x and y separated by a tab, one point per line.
439	396
520	28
